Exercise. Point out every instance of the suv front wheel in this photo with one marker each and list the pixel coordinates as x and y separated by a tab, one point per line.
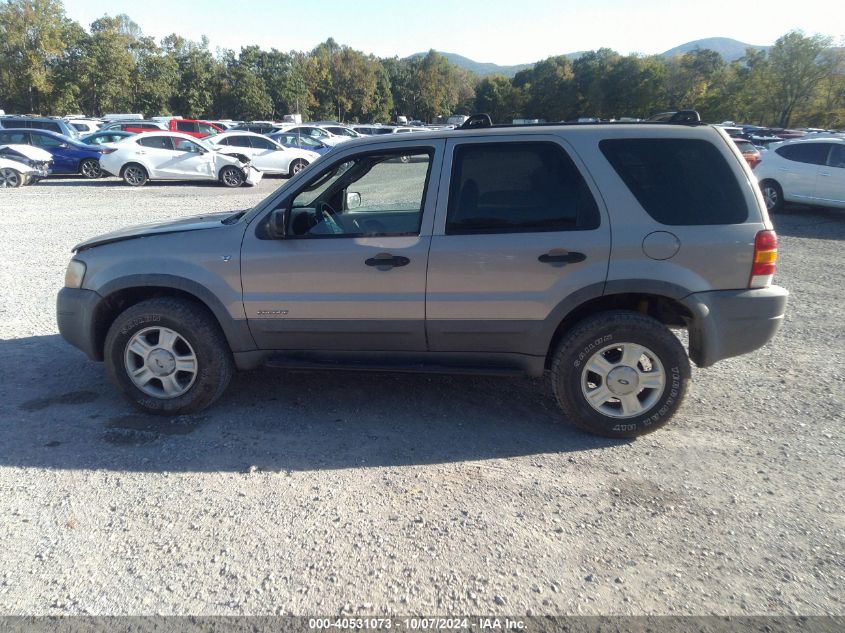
168	356
620	374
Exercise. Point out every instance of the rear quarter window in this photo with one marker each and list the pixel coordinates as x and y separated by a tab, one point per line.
680	182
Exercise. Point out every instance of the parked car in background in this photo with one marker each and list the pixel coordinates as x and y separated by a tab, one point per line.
265	154
135	126
85	126
115	116
298	141
41	161
175	156
193	127
22	165
321	133
341	130
749	152
373	130
105	137
15	174
808	171
260	127
69	155
39	123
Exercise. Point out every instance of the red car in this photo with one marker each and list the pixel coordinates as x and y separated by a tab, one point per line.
192	127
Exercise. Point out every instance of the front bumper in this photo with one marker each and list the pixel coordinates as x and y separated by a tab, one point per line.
253	176
75	308
732	322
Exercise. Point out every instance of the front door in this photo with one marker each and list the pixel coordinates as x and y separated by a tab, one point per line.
518	230
188	160
350	273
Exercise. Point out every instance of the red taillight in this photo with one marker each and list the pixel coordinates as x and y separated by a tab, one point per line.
765	259
754	161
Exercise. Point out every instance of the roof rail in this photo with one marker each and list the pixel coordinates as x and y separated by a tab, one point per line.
682	117
476	121
685	117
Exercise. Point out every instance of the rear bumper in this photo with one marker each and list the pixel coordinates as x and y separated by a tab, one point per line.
732	322
75	309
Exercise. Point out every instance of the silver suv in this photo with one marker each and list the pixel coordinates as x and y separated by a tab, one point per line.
566	250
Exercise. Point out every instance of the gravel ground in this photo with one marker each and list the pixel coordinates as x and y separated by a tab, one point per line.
323	493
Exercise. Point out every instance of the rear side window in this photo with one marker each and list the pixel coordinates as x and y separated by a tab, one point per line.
14	138
157	142
238	141
813	153
517	188
680	182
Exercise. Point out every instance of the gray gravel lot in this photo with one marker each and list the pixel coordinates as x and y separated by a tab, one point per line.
323	493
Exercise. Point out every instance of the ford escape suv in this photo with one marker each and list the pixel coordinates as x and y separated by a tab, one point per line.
566	250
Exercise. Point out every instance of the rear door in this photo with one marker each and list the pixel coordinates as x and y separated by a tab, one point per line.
518	230
799	172
830	187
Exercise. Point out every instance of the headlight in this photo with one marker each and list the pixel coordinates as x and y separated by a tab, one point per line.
74	274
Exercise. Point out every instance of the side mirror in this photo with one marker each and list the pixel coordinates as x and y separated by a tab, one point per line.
353	200
277	226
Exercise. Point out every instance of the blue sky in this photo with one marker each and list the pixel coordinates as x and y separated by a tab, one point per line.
498	31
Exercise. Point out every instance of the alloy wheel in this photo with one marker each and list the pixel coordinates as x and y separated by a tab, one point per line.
161	362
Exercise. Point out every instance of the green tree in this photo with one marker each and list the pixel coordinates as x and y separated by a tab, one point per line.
32	45
194	95
795	70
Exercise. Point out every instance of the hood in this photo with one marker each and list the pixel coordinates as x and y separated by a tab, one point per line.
196	223
30	152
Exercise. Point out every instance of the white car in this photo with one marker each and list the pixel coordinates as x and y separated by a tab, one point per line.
175	156
23	165
85	126
266	154
323	133
808	171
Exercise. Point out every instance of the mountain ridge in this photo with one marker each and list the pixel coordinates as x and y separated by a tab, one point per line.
730	50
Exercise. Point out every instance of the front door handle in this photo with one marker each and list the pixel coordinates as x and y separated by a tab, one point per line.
387	260
562	257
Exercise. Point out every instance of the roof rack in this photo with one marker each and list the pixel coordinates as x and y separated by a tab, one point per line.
482	120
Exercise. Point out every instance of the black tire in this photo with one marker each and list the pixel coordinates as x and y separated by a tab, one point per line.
570	378
10	178
297	166
134	175
772	195
90	168
192	322
232	176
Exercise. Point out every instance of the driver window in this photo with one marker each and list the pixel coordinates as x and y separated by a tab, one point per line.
371	195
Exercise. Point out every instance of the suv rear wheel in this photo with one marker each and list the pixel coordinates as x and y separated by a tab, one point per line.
620	374
168	356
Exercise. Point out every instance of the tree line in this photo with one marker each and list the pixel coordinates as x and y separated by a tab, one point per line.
50	64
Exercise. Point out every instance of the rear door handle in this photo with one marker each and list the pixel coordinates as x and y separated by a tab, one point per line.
562	257
387	260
